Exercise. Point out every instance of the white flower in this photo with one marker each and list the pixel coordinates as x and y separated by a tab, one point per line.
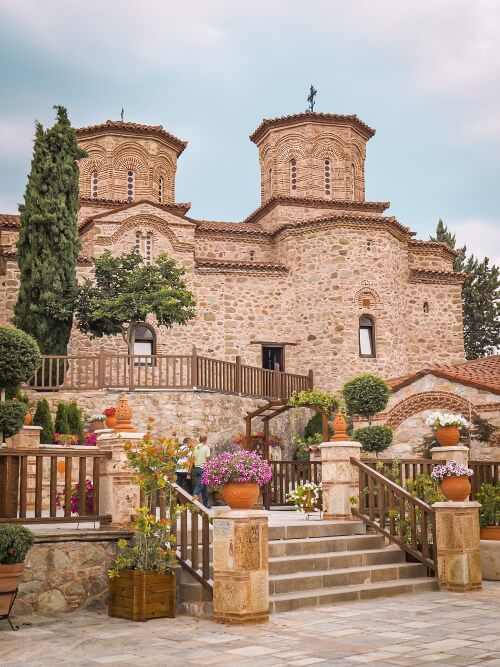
437	419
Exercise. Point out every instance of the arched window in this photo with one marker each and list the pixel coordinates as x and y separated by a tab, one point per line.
160	190
144	246
148	251
144	344
270	182
130	185
327	178
366	336
426	308
353	175
293	176
94	182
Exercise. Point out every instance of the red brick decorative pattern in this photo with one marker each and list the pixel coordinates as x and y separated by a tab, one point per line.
429	400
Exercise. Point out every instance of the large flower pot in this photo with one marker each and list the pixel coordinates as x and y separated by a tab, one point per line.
9	580
28	419
240	496
111	421
456	488
490	533
447	436
98	425
139	595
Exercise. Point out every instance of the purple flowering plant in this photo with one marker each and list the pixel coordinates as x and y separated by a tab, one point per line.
241	466
75	498
450	469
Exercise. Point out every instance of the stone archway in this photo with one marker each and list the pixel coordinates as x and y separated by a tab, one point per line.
429	400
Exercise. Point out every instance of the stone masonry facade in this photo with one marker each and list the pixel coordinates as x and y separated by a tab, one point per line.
300	271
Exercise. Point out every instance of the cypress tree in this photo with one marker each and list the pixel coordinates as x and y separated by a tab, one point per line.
48	245
61	424
480	298
75	420
42	418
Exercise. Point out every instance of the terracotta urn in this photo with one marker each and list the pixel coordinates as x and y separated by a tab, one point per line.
456	488
447	436
240	496
124	415
97	425
9	581
490	533
340	428
111	421
28	418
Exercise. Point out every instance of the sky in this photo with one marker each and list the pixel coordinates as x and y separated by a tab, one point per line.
425	74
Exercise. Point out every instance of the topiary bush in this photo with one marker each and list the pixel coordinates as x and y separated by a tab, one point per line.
12	414
373	438
19	357
61	424
15	542
42	418
366	395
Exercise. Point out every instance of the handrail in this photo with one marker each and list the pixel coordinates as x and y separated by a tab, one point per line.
393	512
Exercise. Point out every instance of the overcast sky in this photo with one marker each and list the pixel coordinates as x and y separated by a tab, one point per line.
424	73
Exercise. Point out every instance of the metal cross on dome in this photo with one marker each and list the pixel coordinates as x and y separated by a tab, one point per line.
312	94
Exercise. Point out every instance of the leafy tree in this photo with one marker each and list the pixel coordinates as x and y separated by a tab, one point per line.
125	291
480	299
42	418
366	395
61	424
48	244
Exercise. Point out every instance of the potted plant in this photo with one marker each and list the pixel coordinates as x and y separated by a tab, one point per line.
15	542
111	418
489	514
142	581
453	479
65	439
75	498
238	475
447	427
97	421
307	498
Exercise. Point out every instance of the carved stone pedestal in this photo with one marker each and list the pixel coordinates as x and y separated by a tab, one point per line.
339	478
241	571
453	453
27	438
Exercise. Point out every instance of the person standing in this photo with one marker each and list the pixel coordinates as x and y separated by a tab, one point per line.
201	455
183	470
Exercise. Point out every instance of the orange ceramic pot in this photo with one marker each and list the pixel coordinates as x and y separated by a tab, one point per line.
9	580
447	436
490	533
240	496
99	425
456	488
28	419
111	421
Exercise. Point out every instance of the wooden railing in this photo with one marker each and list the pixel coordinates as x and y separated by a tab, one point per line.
408	468
164	371
485	472
31	481
287	476
393	512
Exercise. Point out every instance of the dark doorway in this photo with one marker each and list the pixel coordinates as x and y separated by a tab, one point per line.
273	357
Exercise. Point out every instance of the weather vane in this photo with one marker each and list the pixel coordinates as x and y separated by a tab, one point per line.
312	94
122	115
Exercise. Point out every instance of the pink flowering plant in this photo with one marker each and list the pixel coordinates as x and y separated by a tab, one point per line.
237	467
75	498
451	469
65	439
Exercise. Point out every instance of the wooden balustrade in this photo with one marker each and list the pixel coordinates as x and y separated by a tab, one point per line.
32	480
287	476
164	371
393	512
485	472
408	468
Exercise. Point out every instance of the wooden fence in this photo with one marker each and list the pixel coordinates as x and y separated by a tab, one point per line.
287	476
164	371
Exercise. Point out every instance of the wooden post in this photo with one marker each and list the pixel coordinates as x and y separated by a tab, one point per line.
248	433
237	375
277	383
194	368
101	368
324	426
311	379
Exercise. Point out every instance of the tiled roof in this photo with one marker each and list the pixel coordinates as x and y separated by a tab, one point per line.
238	264
483	373
312	117
9	220
431	277
438	245
132	128
231	227
354	218
177	209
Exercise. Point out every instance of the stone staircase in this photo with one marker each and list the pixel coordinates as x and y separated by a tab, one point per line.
315	562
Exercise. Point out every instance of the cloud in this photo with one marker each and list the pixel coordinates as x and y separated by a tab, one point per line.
481	236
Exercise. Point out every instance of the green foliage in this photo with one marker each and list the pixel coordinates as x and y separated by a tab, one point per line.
48	244
61	424
425	488
392	470
302	444
366	395
19	357
322	400
12	414
481	429
42	418
373	438
480	299
15	542
125	291
489	497
314	425
75	420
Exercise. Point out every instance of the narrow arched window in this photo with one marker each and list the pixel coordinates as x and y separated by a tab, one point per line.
327	175
160	190
148	250
353	179
366	336
293	176
94	185
130	185
270	182
426	308
144	344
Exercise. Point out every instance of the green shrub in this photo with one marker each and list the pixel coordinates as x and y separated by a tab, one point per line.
314	425
61	424
12	414
489	497
19	357
42	418
75	420
302	443
15	542
373	438
366	395
425	488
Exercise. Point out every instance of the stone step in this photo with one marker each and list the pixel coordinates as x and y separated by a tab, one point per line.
302	529
298	547
333	560
323	579
314	598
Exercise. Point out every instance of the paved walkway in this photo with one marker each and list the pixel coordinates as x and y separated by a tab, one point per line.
430	628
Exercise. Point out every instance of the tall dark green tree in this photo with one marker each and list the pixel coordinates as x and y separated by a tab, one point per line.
480	298
48	245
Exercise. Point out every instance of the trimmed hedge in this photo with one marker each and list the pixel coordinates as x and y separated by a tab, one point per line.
42	418
12	414
366	395
373	438
19	357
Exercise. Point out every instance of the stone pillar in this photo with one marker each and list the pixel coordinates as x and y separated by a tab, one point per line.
339	478
119	494
27	438
241	571
457	546
454	453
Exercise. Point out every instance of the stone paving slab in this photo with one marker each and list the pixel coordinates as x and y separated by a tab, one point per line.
430	629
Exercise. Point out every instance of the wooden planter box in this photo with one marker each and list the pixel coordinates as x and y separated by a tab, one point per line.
138	595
